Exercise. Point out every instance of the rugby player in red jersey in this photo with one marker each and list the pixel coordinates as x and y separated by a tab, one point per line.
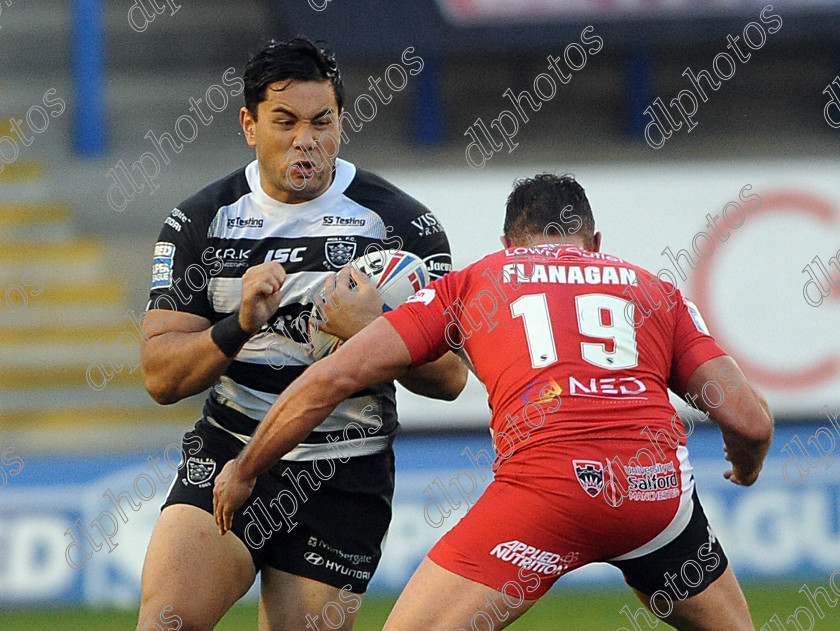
594	465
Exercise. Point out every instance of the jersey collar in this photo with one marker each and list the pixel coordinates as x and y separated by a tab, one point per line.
344	174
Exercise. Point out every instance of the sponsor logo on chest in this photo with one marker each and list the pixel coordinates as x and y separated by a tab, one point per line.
427	224
245	222
283	255
336	220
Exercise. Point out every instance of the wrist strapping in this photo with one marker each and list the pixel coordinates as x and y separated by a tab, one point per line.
228	335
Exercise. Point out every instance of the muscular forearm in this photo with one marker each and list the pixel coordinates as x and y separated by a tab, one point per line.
177	365
444	378
301	408
746	455
747	443
375	355
743	417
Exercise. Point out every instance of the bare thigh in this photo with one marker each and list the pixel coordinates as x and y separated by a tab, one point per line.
720	607
436	597
291	603
191	569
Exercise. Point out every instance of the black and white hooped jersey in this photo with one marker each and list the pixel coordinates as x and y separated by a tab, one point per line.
210	240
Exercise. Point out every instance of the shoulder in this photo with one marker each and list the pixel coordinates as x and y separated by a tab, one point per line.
189	221
380	195
649	280
637	274
222	192
412	226
484	269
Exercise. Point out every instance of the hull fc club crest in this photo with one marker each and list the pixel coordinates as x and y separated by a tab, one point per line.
200	471
339	252
590	474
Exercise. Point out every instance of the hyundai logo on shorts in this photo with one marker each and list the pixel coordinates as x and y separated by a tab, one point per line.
314	558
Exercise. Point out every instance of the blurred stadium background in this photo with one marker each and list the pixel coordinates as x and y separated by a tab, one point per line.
75	421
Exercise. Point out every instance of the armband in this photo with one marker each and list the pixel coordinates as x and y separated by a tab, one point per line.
228	335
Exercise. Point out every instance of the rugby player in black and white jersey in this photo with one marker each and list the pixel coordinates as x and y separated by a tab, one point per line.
235	270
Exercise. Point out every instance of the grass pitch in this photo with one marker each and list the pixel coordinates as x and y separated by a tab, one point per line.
572	609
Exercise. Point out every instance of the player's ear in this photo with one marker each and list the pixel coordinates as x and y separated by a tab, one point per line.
507	242
596	242
248	123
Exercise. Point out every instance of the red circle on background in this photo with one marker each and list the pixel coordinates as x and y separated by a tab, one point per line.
822	370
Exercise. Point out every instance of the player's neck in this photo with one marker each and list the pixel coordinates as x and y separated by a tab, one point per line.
553	240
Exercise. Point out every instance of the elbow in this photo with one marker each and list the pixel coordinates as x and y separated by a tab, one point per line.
763	427
460	381
759	437
449	395
160	386
765	433
454	387
750	421
453	384
759	433
162	392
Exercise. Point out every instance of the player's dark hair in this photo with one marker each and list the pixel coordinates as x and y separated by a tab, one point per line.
546	199
299	59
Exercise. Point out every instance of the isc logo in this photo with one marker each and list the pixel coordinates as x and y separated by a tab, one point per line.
281	255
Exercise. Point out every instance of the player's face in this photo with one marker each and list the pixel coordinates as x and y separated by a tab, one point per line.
296	136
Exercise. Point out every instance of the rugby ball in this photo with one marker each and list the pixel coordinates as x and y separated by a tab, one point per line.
397	275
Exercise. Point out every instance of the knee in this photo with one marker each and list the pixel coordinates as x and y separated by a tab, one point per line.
160	617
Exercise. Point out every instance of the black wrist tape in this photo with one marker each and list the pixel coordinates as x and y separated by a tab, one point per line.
228	335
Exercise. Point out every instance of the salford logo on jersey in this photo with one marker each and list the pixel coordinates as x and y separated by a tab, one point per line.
200	470
530	558
653	483
590	474
339	252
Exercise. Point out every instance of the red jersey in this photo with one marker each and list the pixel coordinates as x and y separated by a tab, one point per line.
570	344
